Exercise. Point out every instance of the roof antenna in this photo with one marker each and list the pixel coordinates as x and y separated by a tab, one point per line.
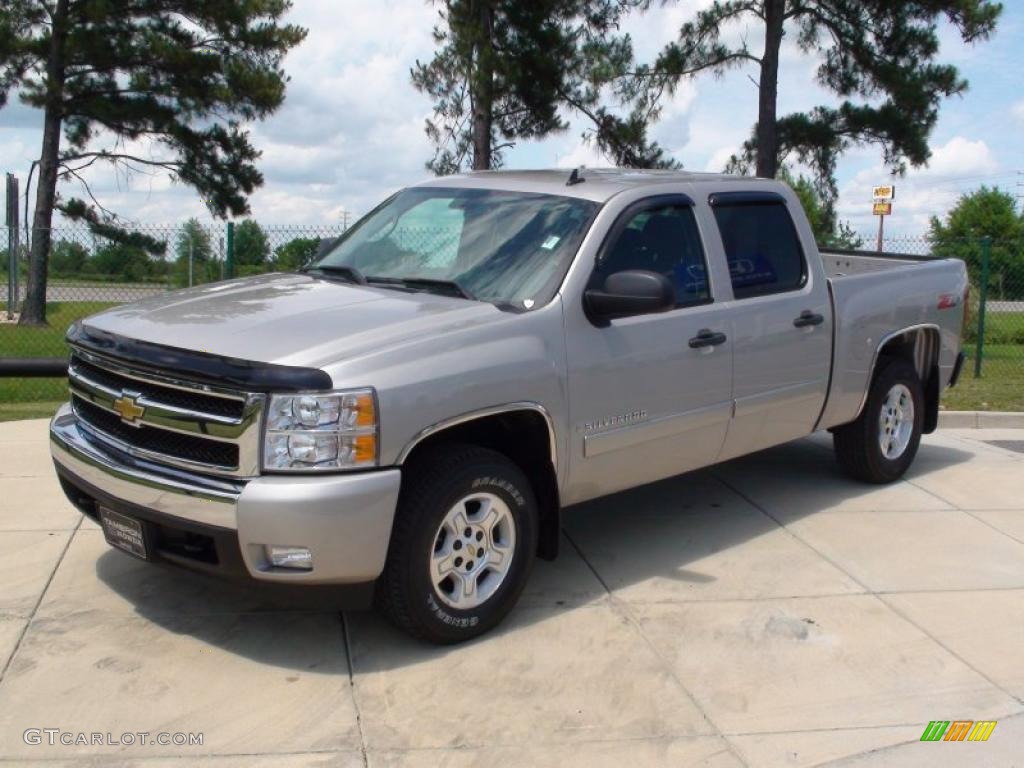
576	177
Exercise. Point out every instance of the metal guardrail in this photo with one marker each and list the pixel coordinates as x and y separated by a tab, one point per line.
33	367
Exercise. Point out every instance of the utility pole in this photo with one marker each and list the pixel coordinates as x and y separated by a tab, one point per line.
12	244
229	257
979	349
345	215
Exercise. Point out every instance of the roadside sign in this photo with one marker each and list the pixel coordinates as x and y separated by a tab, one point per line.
882	207
883	194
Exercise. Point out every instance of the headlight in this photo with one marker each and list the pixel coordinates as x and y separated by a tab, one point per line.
331	431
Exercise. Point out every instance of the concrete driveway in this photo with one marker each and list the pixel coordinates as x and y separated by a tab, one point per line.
765	613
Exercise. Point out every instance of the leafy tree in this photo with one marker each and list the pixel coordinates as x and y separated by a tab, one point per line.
877	56
987	212
184	74
68	256
505	69
821	214
193	244
252	248
121	262
296	253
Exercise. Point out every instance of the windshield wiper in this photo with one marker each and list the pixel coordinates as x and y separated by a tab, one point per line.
447	287
352	274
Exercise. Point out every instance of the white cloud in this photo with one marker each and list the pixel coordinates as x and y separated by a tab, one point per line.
719	158
351	128
1017	110
955	166
960	156
584	153
349	132
713	138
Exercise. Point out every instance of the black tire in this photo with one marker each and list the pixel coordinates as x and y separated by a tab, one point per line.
406	593
857	444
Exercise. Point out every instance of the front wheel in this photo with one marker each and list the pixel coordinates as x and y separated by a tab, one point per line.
881	444
462	545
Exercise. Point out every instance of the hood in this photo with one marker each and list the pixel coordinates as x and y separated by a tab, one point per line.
290	319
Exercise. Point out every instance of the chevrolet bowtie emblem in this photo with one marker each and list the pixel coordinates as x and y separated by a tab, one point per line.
128	409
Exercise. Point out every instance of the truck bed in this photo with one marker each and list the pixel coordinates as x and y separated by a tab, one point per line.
841	263
875	296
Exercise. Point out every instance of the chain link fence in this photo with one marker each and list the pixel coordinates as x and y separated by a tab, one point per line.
84	266
993	378
88	273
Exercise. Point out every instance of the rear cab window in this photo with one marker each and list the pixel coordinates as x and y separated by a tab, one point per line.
761	243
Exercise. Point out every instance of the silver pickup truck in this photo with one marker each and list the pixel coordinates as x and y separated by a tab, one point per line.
404	420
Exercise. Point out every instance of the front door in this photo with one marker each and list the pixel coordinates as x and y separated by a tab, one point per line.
650	396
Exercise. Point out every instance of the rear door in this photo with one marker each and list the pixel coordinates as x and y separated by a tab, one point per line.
781	321
650	395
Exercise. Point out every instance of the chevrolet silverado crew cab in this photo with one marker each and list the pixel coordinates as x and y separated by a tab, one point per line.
405	418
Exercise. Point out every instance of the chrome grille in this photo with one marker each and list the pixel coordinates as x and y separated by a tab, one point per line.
216	454
179	423
200	402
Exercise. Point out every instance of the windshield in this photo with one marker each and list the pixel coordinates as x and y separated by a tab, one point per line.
503	247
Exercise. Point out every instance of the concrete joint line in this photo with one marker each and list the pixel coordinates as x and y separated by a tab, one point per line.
881	597
352	689
623	609
35	608
949	650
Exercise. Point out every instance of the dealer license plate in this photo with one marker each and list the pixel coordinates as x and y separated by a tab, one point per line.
123	532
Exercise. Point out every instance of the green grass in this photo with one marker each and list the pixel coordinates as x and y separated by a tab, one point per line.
1000	328
48	341
31	410
36	398
1001	386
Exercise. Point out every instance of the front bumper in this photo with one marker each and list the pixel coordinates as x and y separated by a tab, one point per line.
222	525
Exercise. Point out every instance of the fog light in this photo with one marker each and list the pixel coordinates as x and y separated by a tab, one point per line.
296	558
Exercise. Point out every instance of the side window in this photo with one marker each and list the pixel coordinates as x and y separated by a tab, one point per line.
664	240
761	247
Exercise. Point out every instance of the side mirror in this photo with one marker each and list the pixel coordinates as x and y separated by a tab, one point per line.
627	293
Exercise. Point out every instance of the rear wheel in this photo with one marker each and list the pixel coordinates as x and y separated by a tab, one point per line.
881	444
462	545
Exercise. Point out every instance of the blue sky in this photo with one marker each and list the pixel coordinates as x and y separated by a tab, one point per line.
351	129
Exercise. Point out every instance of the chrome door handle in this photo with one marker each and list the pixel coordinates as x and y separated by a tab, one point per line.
707	338
808	318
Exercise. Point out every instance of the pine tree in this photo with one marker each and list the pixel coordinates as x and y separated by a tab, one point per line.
829	232
184	75
507	70
877	56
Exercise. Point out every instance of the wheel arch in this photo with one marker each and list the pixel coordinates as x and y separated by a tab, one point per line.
525	433
919	345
